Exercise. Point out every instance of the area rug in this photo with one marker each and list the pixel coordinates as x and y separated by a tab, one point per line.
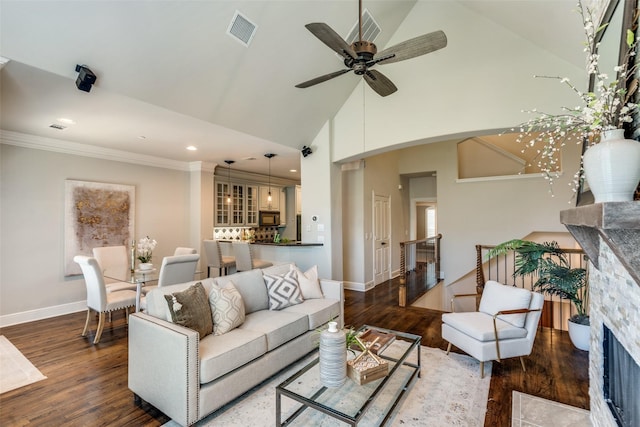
450	392
530	410
15	369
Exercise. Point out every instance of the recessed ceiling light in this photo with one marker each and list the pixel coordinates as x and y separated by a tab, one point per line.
142	137
192	148
249	158
293	170
66	121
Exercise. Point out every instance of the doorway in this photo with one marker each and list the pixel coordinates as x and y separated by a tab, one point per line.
381	238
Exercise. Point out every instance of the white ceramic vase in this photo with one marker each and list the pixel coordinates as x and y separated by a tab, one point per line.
580	335
333	356
612	167
145	266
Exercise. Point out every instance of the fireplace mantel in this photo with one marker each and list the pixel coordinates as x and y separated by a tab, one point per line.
618	223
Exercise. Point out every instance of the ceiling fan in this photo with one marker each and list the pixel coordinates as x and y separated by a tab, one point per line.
361	55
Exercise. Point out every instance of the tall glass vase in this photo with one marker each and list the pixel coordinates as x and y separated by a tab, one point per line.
333	356
612	167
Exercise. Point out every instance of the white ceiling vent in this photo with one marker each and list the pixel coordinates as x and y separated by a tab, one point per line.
370	29
241	28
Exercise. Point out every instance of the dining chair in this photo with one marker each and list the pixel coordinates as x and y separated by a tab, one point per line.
178	269
98	299
244	257
184	251
215	258
114	263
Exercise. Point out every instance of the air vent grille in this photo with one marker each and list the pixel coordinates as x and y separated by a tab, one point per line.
242	29
57	126
370	29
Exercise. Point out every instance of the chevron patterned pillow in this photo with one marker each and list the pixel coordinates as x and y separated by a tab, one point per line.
227	308
283	291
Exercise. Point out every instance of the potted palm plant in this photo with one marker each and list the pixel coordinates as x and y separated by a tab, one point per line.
555	277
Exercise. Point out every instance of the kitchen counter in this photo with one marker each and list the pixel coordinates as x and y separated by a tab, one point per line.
304	255
293	243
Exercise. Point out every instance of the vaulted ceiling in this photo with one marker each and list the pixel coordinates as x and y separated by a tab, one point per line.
169	75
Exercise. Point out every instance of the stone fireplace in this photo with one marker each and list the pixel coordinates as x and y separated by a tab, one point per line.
609	233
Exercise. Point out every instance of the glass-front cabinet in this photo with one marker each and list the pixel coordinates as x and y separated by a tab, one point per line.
252	204
222	207
237	204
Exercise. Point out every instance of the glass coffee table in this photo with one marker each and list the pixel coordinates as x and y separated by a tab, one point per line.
352	403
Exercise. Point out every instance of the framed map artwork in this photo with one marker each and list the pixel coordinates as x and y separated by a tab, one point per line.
96	214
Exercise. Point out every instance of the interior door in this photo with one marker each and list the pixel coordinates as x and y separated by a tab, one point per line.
381	239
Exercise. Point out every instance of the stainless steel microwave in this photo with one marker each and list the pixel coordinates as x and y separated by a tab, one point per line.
268	218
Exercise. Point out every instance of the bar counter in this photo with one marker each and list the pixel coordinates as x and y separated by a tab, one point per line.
304	255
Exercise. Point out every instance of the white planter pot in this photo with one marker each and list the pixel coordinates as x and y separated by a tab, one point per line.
612	167
145	266
580	335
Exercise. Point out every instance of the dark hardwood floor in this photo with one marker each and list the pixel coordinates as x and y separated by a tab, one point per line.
87	384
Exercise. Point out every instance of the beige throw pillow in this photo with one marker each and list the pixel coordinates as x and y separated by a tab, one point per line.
308	282
227	308
190	308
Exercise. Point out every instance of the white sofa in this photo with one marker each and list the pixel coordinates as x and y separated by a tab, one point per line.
187	378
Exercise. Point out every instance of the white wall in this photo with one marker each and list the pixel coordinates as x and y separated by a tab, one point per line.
32	280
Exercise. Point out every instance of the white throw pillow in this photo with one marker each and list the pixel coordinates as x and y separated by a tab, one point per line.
283	290
497	297
308	281
227	308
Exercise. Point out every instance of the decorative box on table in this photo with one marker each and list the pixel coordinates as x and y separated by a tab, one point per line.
366	368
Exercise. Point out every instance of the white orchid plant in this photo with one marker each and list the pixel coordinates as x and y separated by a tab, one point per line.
145	249
609	106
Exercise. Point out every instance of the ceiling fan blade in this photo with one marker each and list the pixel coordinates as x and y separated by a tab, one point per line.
322	78
416	46
329	37
379	82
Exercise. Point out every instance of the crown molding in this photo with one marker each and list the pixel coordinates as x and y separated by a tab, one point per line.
77	149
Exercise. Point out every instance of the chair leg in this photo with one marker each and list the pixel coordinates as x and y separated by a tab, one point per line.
100	327
126	315
481	369
86	323
208	271
522	363
448	349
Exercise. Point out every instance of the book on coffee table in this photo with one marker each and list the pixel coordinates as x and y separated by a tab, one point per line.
381	340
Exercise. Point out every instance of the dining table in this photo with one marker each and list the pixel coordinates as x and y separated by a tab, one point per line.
140	278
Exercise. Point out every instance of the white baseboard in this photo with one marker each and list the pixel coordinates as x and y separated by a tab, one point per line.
42	313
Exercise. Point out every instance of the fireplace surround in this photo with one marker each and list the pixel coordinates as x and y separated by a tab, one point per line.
609	233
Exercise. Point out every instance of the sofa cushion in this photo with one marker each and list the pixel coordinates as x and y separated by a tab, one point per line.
278	269
319	311
278	326
156	304
480	326
221	354
308	281
190	308
227	308
283	290
250	284
497	297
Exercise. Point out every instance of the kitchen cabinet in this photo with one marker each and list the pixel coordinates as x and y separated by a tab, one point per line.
265	205
252	205
222	207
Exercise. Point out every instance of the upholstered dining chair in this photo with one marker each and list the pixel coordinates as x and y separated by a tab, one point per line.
244	257
504	326
98	299
215	258
178	269
114	263
185	251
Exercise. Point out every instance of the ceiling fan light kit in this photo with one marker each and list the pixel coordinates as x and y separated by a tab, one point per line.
361	55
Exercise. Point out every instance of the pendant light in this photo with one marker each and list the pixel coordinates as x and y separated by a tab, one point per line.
269	156
229	163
